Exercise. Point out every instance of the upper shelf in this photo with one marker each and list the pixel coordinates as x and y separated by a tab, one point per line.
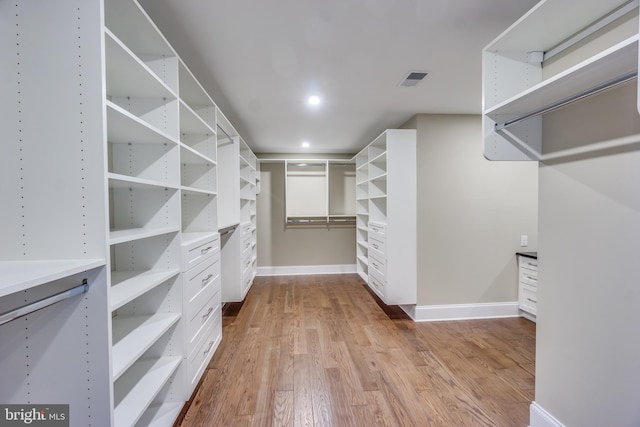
21	275
611	63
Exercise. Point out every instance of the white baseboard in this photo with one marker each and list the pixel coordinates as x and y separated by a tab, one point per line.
538	417
306	269
434	313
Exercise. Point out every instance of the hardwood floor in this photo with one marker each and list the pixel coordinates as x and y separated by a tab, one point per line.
321	351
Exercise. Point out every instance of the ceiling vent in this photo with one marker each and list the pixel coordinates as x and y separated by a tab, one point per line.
413	78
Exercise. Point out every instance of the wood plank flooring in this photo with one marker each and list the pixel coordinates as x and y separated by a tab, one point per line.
322	351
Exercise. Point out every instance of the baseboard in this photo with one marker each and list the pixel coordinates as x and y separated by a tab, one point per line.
538	417
434	313
306	269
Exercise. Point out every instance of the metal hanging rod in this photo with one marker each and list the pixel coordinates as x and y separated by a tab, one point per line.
566	101
227	230
42	303
225	132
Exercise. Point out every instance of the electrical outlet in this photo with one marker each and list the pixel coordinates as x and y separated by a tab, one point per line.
524	240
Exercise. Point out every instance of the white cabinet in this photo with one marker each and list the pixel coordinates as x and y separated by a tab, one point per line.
386	216
527	284
237	176
550	58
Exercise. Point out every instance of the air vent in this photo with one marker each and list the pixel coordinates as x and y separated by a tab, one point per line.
413	78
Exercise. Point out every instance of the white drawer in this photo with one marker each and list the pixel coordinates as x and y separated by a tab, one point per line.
202	353
528	299
246	229
377	284
195	253
378	266
377	248
529	277
528	263
197	324
200	283
377	229
246	245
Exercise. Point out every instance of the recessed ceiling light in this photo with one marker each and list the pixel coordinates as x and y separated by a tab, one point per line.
306	144
313	100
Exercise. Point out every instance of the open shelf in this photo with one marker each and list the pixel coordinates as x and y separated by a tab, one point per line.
132	336
127	235
161	415
134	392
192	93
128	285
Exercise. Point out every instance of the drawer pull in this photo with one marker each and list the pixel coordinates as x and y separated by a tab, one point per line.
374	245
531	300
208	313
530	278
206	279
205	250
247	245
532	264
208	348
375	265
375	229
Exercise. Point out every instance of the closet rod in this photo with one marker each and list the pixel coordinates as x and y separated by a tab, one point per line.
225	132
300	221
566	101
45	302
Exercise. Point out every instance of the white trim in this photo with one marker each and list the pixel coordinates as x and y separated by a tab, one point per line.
306	269
538	417
434	313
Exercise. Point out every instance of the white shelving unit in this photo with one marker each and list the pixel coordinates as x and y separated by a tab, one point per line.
237	175
386	216
548	59
111	221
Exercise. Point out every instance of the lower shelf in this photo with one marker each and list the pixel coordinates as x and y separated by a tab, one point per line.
161	415
134	392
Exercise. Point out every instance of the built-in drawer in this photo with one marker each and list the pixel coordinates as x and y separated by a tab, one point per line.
246	245
195	253
203	351
528	263
528	299
377	229
200	283
529	277
377	247
377	284
246	229
378	266
197	323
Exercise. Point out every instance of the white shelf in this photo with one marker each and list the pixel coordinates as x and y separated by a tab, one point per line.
135	391
128	76
191	122
124	181
124	128
132	336
194	238
190	156
21	275
197	191
611	63
127	235
161	415
128	285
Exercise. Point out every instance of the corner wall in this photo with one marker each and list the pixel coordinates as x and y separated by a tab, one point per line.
471	213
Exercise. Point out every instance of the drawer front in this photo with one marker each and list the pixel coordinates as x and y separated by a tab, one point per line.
528	263
197	323
246	229
201	282
528	277
377	248
377	284
203	351
377	229
196	253
528	299
246	245
378	266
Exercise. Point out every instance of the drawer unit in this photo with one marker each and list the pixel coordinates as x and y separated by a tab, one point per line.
527	286
200	283
377	284
203	350
195	252
197	324
377	266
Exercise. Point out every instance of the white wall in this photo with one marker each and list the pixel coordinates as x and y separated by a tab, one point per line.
471	213
588	345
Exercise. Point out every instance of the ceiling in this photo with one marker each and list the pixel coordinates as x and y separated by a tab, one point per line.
261	60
